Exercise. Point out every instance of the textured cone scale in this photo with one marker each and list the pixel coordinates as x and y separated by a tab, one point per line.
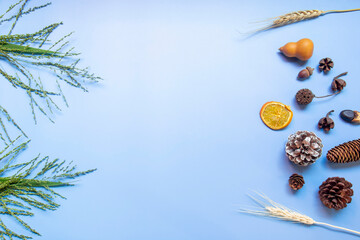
346	152
335	193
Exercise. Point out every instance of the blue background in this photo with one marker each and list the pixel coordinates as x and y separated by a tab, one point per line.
174	128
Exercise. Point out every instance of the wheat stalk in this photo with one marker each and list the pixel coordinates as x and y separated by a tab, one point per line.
298	16
273	209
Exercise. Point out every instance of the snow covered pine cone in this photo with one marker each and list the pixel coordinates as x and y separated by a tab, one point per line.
303	148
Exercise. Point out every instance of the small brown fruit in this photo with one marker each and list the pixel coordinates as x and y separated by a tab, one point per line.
305	73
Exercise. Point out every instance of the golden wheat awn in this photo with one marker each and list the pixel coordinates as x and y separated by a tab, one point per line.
298	16
273	209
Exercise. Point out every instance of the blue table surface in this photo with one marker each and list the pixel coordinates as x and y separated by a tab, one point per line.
174	127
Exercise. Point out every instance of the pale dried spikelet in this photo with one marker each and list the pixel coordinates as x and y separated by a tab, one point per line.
269	208
276	210
289	215
294	17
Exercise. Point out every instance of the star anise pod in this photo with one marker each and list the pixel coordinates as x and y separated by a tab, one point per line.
326	64
326	123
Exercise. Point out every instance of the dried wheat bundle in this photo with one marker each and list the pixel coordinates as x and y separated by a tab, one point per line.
298	16
270	208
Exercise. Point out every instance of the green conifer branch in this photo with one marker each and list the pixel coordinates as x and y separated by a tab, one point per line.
30	184
29	54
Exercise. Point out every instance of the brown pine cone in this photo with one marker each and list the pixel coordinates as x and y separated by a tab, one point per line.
326	64
336	193
296	181
346	152
303	148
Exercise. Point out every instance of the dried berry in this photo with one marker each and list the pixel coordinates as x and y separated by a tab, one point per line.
305	73
326	64
304	96
338	84
296	181
326	123
350	116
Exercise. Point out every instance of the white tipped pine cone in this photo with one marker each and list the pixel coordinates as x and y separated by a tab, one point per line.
303	148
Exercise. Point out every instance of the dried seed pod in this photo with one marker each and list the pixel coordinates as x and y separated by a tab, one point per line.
337	83
326	64
304	96
305	73
326	123
346	152
350	116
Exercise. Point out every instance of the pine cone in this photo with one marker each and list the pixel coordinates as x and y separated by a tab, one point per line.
346	152
336	193
326	64
303	148
296	181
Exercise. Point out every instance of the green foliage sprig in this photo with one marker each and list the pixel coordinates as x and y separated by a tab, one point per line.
30	184
27	55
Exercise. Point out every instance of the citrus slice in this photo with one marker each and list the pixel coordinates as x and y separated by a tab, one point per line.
276	115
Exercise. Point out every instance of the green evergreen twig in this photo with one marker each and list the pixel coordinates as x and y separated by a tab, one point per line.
28	185
27	55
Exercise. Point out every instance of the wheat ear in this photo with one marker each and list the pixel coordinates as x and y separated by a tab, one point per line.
273	209
298	16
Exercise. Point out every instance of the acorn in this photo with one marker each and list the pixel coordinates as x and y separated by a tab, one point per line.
305	73
350	116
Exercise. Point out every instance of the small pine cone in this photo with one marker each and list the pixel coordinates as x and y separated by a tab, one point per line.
303	148
336	193
346	152
296	181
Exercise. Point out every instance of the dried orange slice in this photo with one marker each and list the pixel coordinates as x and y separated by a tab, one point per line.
276	115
